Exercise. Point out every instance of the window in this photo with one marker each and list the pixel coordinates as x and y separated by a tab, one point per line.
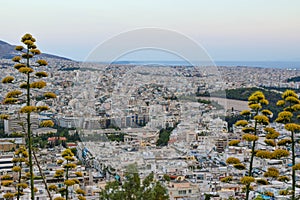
182	192
200	177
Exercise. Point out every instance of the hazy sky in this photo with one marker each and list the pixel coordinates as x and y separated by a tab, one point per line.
227	29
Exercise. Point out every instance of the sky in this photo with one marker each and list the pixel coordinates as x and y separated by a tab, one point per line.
246	30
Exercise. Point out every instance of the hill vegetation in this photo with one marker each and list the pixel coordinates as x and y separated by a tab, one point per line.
243	93
294	79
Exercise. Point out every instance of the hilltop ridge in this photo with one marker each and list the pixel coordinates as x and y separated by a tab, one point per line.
7	51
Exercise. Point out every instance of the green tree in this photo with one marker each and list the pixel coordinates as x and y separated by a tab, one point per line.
291	107
30	80
164	136
112	191
133	188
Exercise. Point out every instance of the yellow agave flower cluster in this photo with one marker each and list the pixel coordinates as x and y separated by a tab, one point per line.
291	103
23	65
67	164
255	117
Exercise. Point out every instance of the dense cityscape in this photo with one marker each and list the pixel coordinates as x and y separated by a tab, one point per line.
156	119
150	100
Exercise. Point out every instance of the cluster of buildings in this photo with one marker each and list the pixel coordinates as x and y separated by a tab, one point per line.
136	102
48	161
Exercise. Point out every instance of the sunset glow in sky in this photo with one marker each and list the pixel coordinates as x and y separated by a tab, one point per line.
227	29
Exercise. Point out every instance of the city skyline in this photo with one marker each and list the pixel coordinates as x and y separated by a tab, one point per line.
227	30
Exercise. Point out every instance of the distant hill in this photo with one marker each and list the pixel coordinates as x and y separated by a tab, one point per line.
7	51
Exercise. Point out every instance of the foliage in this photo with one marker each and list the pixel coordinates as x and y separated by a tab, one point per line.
6	182
81	197
164	136
272	172
270	194
244	93
248	130
30	85
241	123
280	153
231	119
292	127
259	197
212	103
80	191
256	116
8	195
78	174
204	101
270	142
262	119
59	198
245	112
293	79
296	167
232	160
263	154
272	135
166	177
68	165
250	137
116	137
283	178
285	192
234	142
284	142
62	191
284	117
6	177
133	188
47	123
226	179
52	187
42	140
239	166
290	105
246	180
59	173
20	157
262	181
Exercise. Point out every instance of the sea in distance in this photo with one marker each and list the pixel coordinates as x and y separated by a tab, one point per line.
292	65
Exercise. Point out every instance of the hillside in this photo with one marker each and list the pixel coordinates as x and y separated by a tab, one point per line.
242	94
7	51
